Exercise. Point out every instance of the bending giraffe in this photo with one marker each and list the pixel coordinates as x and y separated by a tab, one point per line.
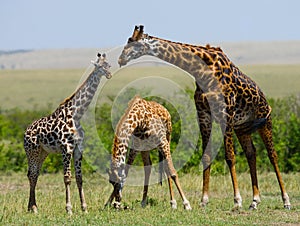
224	94
61	133
150	122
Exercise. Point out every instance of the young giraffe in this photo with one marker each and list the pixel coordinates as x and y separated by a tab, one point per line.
144	120
223	93
61	132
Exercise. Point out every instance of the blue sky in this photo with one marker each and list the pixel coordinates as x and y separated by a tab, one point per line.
36	24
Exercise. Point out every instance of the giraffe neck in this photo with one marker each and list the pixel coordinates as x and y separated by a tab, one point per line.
124	131
119	150
187	57
82	97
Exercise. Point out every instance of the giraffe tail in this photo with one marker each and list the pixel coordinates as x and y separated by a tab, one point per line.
160	167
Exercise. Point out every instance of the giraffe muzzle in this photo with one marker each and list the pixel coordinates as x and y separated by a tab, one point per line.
108	75
121	62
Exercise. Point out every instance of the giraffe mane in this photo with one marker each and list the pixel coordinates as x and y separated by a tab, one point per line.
74	93
206	47
138	34
67	99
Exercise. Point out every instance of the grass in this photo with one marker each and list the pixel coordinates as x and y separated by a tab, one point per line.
36	88
276	80
51	202
47	88
29	89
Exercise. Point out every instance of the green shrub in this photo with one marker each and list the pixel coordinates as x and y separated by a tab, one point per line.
286	136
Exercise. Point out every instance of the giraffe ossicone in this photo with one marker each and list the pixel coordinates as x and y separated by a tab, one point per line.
61	132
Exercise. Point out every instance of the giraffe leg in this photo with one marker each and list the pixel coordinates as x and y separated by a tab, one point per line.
67	179
164	168
266	135
230	160
78	175
171	172
147	170
109	201
35	161
173	200
205	129
77	165
131	156
250	151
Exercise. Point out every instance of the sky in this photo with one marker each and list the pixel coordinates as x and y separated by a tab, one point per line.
36	24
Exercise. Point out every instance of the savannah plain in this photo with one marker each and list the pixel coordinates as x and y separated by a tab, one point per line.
30	87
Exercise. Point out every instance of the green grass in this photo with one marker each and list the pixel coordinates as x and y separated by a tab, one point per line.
43	88
51	202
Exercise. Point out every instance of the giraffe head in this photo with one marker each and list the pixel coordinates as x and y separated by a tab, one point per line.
117	179
102	66
139	44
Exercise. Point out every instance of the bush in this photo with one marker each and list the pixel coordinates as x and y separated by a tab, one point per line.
286	136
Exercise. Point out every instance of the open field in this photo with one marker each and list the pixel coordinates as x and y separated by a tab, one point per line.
14	190
32	89
43	88
241	53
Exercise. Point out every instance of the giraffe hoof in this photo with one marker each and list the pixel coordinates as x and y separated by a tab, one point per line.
33	209
288	207
84	208
173	204
187	206
254	205
203	204
251	207
126	208
85	211
204	201
143	204
117	205
69	210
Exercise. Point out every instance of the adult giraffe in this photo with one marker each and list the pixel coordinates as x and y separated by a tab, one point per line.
224	94
61	132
